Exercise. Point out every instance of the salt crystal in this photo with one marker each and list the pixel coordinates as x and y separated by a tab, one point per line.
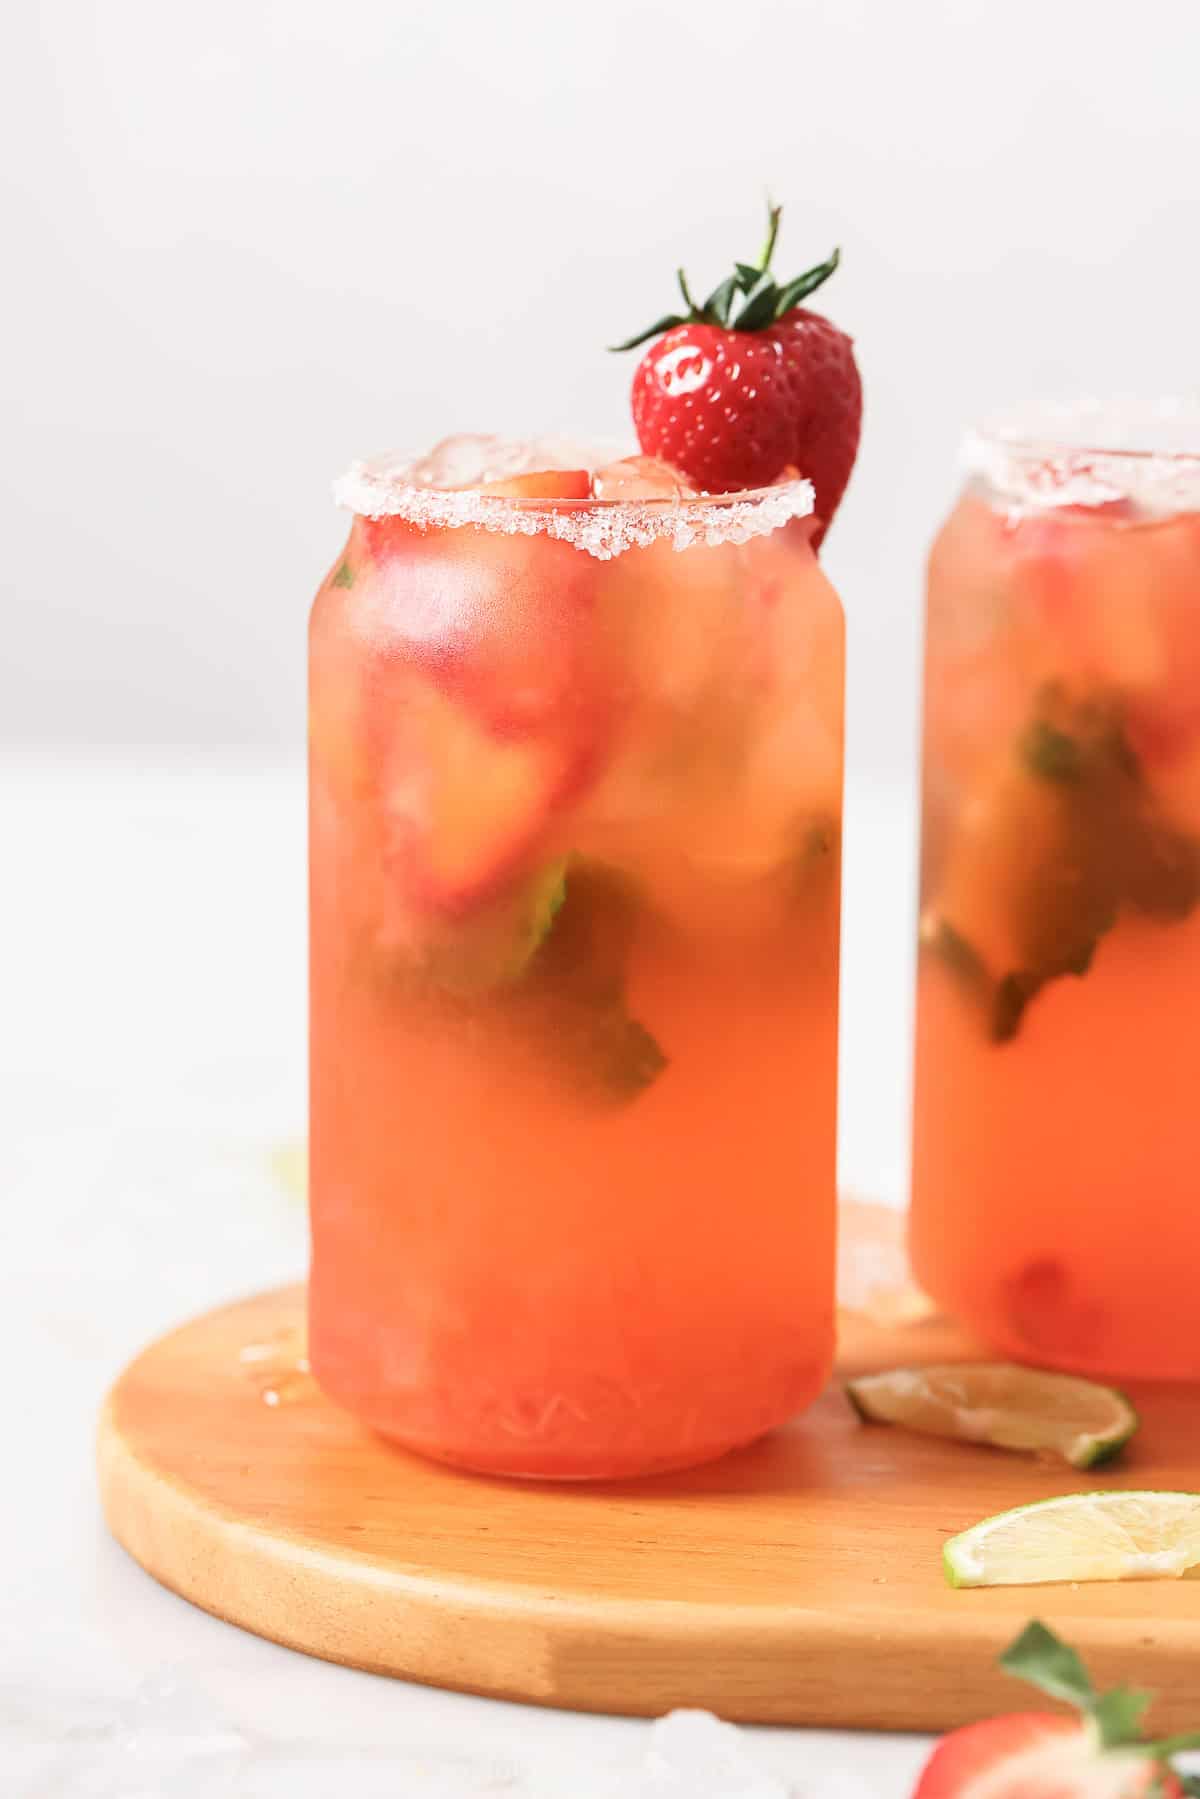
1091	453
394	487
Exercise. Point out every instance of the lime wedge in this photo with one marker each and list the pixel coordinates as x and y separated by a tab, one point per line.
1002	1405
1080	1536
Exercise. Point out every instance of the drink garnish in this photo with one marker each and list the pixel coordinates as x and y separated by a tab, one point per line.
751	382
543	967
1002	1406
1100	1535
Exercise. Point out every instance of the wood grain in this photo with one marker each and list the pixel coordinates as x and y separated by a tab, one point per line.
795	1582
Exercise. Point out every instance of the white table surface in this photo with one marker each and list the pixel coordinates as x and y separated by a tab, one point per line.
152	1043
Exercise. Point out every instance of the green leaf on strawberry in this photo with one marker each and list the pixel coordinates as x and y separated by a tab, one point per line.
764	303
764	300
1118	1716
720	302
1099	1754
1049	1664
806	284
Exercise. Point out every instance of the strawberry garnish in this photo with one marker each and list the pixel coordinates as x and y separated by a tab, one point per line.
1100	1753
751	381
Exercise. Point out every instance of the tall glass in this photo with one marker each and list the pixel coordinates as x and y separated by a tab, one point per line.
575	808
1057	1129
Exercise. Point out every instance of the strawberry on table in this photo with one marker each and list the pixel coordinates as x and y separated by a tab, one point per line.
737	389
1100	1753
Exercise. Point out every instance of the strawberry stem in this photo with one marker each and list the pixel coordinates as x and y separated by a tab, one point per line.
694	311
774	214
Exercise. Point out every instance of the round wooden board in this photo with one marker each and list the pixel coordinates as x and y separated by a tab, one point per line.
796	1582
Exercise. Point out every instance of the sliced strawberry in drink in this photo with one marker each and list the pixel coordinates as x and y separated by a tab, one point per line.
510	626
543	484
463	808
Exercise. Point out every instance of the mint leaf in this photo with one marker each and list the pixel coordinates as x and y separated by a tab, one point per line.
344	576
952	948
1012	994
1163	880
571	1006
1051	753
490	948
537	976
1049	1664
1105	852
604	1054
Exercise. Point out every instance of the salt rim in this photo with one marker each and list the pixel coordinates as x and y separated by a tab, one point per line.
1091	453
379	488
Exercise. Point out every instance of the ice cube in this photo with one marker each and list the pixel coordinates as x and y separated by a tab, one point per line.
640	478
474	459
462	461
873	1276
693	1755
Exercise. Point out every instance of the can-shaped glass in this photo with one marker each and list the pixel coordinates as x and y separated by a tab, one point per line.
1057	1132
575	795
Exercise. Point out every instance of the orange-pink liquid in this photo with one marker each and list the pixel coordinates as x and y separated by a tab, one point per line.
1055	1154
573	1170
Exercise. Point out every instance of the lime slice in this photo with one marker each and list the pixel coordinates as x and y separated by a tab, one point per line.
1002	1405
1080	1536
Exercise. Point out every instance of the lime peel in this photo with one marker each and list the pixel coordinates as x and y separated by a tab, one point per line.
1002	1405
1080	1537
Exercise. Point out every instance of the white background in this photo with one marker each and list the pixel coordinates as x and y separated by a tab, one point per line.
249	239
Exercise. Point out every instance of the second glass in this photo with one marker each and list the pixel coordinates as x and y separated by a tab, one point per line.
1057	1132
576	800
